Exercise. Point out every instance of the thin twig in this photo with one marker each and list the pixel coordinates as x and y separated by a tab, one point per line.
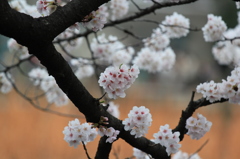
98	99
198	150
85	148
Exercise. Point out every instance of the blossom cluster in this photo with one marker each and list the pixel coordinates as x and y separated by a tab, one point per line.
156	55
238	5
113	109
48	85
96	19
228	52
176	25
76	133
197	127
110	132
110	51
166	138
157	41
46	7
69	45
23	7
184	155
138	121
119	8
83	67
5	84
155	61
214	29
227	89
140	154
14	47
115	80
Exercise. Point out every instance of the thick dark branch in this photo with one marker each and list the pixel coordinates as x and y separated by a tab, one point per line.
148	11
155	150
188	112
141	13
28	30
104	149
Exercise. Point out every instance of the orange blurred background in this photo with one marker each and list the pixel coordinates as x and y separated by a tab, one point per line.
30	133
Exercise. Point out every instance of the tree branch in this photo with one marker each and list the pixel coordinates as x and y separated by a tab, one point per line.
104	148
188	112
37	35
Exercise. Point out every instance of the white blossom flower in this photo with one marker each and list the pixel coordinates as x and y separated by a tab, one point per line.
37	75
176	25
96	19
157	41
153	61
119	8
138	121
5	84
184	155
227	89
140	154
214	29
110	51
14	47
197	128
122	56
46	7
76	133
83	67
237	5
69	45
113	109
111	133
116	80
166	138
47	83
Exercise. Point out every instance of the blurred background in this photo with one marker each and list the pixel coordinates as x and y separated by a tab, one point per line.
27	132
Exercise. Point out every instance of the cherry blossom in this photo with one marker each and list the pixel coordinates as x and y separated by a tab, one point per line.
166	138
96	19
119	8
115	80
5	84
214	29
54	94
197	128
76	133
14	47
140	154
153	61
227	89
176	25
138	121
184	155
83	67
113	109
46	7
